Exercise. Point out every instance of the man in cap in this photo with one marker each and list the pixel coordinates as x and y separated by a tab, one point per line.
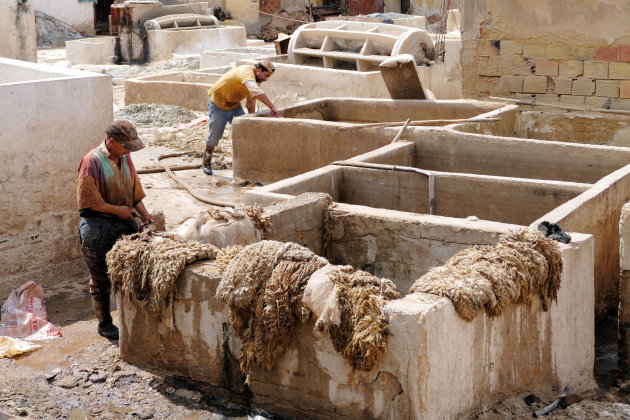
225	101
108	191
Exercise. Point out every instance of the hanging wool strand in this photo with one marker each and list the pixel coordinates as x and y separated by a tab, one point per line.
521	265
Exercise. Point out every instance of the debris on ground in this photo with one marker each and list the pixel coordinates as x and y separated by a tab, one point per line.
10	347
154	115
24	315
193	139
285	21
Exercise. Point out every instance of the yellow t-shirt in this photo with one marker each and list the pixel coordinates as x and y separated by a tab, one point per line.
228	92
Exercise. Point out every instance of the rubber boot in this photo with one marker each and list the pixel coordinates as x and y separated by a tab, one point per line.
106	328
207	157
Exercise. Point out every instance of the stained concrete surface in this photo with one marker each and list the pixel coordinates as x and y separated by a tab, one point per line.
69	307
94	382
80	375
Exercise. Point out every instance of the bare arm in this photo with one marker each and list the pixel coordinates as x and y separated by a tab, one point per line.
251	105
144	214
122	212
265	100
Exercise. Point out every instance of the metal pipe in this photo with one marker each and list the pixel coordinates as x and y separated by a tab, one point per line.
401	131
417	123
381	166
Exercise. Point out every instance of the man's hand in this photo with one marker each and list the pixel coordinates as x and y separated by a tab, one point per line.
124	212
147	218
275	113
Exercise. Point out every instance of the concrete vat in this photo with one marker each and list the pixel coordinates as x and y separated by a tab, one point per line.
315	133
582	186
430	348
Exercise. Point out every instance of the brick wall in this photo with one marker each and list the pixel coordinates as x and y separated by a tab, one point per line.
269	6
597	77
362	7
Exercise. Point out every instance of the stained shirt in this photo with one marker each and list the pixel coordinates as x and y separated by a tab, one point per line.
228	92
102	181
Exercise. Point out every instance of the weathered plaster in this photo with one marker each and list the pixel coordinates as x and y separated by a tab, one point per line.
78	15
162	44
43	140
98	50
18	31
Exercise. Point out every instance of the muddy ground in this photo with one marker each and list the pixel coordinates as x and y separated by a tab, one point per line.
81	376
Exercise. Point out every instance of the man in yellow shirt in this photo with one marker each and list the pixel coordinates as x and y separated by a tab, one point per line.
225	101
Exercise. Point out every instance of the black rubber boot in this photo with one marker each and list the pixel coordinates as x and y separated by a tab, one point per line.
106	327
207	158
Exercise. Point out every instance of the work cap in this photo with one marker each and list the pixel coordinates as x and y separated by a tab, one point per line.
126	133
267	65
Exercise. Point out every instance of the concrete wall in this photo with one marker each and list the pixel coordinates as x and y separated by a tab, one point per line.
18	31
245	11
399	245
162	44
624	294
430	348
597	212
585	128
500	199
78	15
508	200
307	144
575	53
426	8
185	89
292	83
452	151
292	147
98	50
50	118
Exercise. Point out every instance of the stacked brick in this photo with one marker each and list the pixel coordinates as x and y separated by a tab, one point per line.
596	77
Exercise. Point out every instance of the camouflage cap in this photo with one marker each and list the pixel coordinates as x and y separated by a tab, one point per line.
267	65
126	133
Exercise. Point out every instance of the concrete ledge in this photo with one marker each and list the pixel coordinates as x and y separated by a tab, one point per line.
99	50
597	212
162	44
299	220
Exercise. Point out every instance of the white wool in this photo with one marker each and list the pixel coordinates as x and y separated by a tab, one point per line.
220	233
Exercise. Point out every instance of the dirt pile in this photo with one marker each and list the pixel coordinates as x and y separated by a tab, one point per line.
155	115
286	21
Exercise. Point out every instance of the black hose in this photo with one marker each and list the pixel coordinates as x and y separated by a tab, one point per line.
552	406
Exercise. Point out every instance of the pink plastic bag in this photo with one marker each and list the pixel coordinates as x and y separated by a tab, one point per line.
24	316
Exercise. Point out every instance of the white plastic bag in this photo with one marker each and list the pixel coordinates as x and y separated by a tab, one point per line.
10	347
24	316
321	296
